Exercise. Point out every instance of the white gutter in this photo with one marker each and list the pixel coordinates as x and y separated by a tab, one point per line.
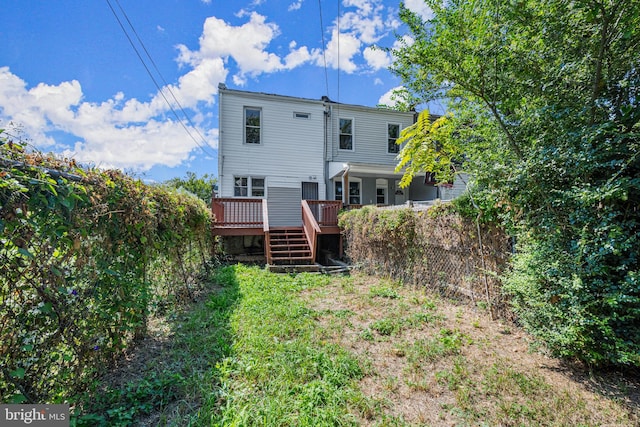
345	190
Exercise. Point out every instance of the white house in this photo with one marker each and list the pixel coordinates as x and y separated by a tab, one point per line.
279	155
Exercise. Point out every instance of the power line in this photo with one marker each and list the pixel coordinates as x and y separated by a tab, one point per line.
324	50
338	51
204	143
166	85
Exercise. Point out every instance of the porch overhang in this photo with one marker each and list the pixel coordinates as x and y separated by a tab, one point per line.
338	169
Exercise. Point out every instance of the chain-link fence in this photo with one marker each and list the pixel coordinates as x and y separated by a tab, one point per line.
445	252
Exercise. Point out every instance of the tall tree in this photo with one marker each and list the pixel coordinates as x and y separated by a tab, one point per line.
201	186
544	97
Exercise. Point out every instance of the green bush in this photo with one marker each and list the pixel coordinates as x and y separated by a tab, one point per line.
544	103
79	252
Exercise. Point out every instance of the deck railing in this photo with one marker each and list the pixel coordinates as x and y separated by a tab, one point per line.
310	226
232	212
325	211
265	228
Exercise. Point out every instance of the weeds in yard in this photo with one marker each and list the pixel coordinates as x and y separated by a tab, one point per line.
279	372
171	385
384	291
121	407
271	350
388	326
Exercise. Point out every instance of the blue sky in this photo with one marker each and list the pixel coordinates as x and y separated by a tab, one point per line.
75	86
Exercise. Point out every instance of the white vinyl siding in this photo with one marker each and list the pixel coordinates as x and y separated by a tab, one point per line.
291	149
284	207
370	128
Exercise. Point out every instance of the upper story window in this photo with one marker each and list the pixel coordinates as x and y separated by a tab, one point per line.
346	134
393	133
252	122
244	186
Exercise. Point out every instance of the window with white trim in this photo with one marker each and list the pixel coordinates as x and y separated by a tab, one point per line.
338	191
393	133
354	192
257	187
243	186
346	134
252	125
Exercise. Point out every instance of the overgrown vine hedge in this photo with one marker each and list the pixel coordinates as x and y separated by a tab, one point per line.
436	248
80	252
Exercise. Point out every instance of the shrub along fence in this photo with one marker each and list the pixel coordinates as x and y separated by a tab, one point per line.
436	248
79	254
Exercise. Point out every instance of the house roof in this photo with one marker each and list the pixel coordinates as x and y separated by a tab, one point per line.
337	169
323	100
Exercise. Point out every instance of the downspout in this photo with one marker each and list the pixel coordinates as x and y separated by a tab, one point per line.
221	88
345	185
327	118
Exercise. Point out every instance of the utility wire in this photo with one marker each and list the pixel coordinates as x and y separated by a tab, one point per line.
324	50
166	85
338	51
203	146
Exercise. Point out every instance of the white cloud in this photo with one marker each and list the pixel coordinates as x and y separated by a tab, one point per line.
201	83
420	7
295	5
206	1
114	133
340	51
367	25
353	34
378	81
376	58
297	57
246	45
387	98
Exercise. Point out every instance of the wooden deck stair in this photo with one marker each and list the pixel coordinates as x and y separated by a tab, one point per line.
289	246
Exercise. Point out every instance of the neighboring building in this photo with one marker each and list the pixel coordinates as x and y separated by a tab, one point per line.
275	151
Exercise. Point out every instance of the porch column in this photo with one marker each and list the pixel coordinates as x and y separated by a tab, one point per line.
345	188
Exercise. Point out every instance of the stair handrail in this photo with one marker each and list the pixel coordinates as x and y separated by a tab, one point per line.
265	228
311	227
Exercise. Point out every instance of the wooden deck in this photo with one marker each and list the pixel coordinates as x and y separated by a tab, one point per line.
250	217
238	217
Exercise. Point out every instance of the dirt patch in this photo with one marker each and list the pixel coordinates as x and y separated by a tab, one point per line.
441	362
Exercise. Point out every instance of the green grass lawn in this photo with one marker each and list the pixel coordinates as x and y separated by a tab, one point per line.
269	349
